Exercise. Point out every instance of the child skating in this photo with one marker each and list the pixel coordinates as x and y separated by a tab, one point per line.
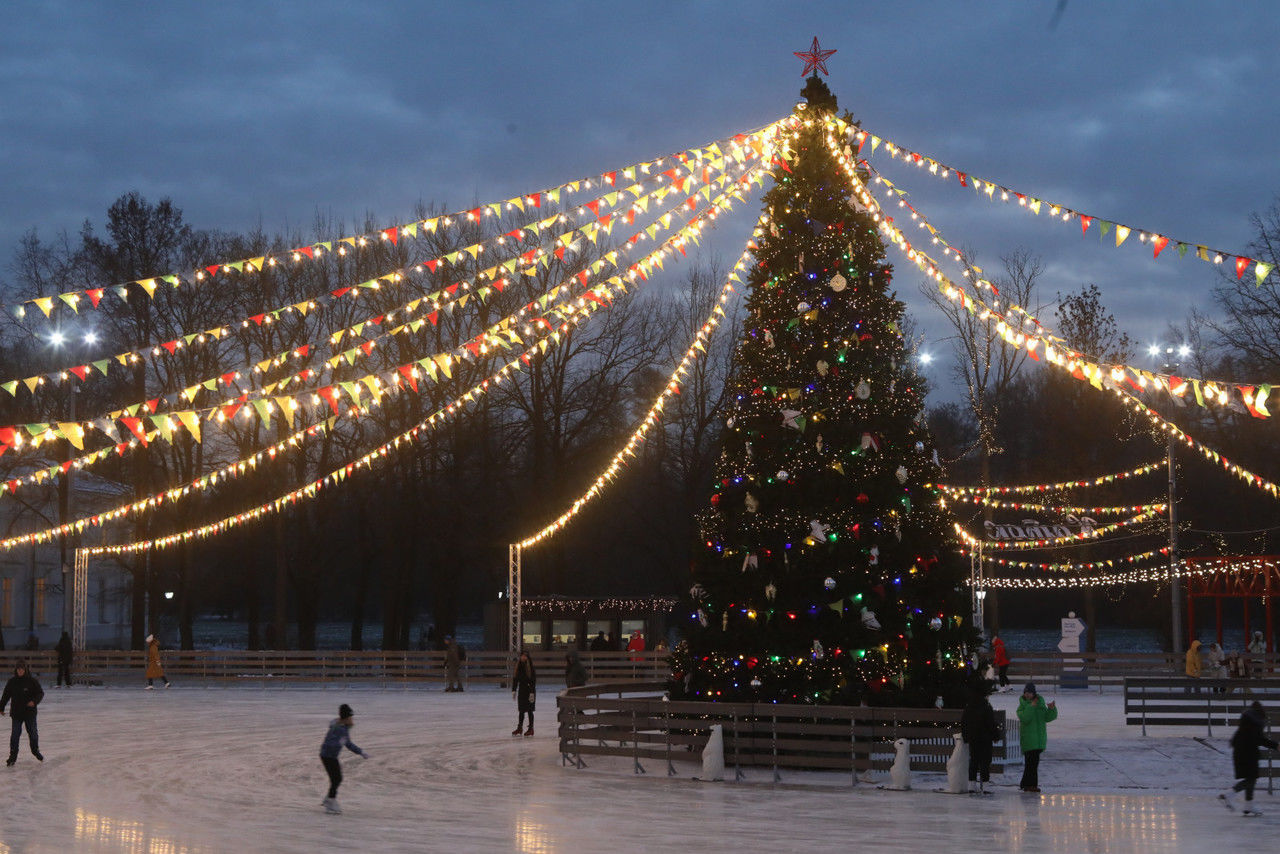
338	736
1249	736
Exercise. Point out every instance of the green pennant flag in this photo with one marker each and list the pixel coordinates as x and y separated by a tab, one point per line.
1104	227
102	365
11	387
211	385
263	407
1182	250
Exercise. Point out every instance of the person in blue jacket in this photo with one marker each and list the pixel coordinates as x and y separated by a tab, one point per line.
338	736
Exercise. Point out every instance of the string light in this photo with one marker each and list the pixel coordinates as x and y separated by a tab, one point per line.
1025	489
1070	539
393	233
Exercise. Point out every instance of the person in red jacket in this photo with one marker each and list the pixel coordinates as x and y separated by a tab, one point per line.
1000	658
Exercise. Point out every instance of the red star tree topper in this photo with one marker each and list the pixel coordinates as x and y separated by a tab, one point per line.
815	59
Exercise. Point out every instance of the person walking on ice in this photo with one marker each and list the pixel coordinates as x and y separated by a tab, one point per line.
978	727
1000	658
524	686
155	670
1033	714
338	736
25	694
64	660
1249	736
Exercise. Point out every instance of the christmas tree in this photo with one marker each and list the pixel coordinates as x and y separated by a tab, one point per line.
825	573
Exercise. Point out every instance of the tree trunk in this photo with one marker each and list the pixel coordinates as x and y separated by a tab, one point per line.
280	622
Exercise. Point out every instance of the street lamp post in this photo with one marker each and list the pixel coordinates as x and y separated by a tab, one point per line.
1172	367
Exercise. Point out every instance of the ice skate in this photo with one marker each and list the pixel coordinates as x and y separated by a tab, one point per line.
1250	812
11	760
331	806
1228	800
37	754
151	687
518	731
528	732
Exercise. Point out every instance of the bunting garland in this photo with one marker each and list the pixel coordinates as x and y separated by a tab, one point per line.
73	299
1157	574
986	501
583	310
1068	567
992	190
1028	489
1070	539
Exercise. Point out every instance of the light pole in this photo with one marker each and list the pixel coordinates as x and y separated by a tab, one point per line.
1171	367
65	494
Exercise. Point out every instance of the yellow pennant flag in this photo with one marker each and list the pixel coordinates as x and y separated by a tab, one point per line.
31	383
45	304
286	405
191	421
73	433
1122	232
148	285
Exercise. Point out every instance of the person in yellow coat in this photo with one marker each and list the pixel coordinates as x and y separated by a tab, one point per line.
155	670
1193	659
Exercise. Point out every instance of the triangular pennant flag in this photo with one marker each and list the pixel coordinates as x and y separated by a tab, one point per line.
286	405
45	304
263	408
1158	243
1260	271
191	421
73	433
1242	264
1122	233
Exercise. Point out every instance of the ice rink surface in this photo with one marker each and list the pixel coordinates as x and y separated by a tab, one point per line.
196	769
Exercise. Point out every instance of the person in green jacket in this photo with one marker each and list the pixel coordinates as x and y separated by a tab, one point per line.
1033	714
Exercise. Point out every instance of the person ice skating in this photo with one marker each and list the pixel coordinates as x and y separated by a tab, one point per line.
338	736
1250	734
155	670
452	661
523	687
978	727
1033	714
64	659
599	643
24	694
574	673
1194	666
1000	658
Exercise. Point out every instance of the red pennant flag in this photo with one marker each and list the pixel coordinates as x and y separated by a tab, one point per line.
95	296
213	269
962	176
407	370
1158	243
7	435
434	317
303	350
516	233
536	200
605	220
583	275
594	297
529	256
153	404
66	466
432	264
474	347
692	202
915	156
631	216
1242	264
474	214
610	176
593	206
706	174
229	411
560	252
500	284
524	357
862	140
121	448
339	292
171	346
1084	226
135	427
392	234
377	321
309	251
329	394
82	371
228	378
452	289
13	485
258	318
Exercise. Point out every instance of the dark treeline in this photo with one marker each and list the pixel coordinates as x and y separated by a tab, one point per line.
1024	422
422	533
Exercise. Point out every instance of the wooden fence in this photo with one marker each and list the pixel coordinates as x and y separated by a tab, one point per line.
634	720
1099	670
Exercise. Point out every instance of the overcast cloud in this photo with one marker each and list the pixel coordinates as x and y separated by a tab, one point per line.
1161	115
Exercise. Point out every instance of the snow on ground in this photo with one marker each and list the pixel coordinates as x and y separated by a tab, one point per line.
195	769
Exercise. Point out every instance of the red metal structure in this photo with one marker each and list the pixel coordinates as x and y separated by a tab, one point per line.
1242	577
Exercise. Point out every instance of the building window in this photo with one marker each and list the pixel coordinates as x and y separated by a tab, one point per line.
39	594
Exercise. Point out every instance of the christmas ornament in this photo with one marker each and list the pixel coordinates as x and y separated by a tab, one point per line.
724	622
863	391
870	442
829	583
901	474
838	283
802	307
817	530
815	59
768	340
818	651
697	591
750	562
823	367
715	500
863	498
869	619
770	591
751	503
791	418
755	682
702	618
818	443
783	474
873	557
936	624
730	422
919	447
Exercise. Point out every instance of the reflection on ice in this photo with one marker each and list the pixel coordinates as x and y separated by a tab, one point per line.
124	835
1097	822
531	835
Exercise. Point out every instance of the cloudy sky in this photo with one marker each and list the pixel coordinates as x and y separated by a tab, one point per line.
1161	115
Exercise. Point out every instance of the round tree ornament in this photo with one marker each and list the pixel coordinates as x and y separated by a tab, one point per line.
829	583
902	474
838	283
863	390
